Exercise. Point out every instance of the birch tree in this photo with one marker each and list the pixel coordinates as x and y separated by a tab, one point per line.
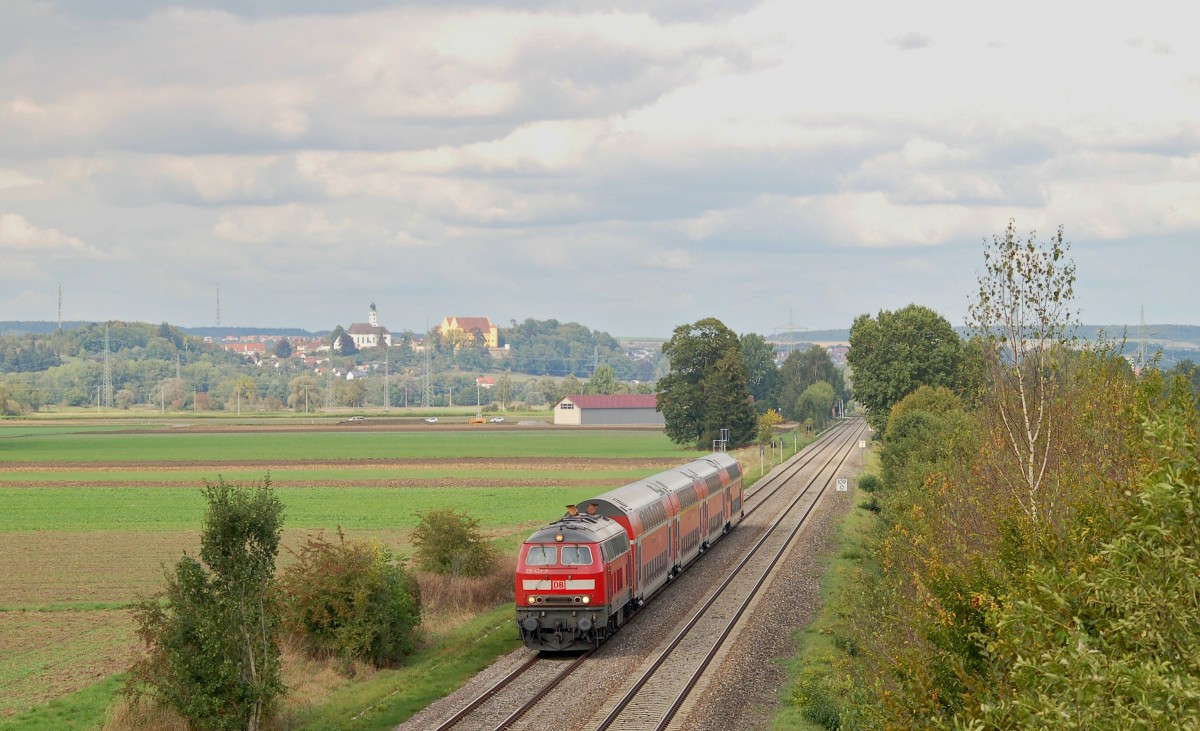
1024	316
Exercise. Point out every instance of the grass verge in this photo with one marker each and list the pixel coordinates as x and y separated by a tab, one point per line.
390	697
820	688
83	709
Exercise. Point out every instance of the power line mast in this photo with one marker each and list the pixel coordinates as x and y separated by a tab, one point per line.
788	334
60	305
1141	362
329	381
427	385
218	304
108	387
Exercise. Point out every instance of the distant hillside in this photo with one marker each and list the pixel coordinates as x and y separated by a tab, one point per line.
1175	342
40	327
220	332
811	336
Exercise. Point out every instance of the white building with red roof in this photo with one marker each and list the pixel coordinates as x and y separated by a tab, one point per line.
615	410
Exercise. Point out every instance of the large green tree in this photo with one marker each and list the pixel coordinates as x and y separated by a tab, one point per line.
816	404
800	371
603	381
893	354
761	372
706	389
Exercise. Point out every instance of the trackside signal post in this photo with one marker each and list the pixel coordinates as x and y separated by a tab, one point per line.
720	445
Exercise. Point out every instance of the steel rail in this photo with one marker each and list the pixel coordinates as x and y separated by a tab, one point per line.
483	697
541	693
645	678
774	482
791	467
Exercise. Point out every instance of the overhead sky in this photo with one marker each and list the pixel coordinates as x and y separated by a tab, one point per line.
632	166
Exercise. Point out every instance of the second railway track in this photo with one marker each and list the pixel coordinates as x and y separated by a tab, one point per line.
660	689
525	696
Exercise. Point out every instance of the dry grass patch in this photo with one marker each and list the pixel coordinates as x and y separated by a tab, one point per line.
442	593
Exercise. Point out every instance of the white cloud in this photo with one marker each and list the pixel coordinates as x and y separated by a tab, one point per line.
15	179
19	235
639	146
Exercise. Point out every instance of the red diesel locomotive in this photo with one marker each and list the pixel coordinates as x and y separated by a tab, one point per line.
580	578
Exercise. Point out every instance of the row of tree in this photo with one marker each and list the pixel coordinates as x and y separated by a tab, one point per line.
1034	565
720	381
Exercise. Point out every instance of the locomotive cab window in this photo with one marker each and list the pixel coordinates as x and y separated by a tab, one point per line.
541	556
576	555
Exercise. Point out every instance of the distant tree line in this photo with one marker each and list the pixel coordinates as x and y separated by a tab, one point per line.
164	366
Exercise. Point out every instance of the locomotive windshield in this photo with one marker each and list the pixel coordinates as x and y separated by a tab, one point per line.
541	556
576	556
549	556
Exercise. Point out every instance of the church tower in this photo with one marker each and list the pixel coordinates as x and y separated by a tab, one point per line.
373	317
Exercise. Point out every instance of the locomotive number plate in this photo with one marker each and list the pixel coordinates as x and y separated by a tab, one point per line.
558	585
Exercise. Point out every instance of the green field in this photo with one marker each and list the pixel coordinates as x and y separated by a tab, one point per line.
90	514
156	509
184	446
192	476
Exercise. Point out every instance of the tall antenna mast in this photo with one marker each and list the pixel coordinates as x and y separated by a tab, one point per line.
60	305
218	304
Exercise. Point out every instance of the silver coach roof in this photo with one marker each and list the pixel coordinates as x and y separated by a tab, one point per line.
636	495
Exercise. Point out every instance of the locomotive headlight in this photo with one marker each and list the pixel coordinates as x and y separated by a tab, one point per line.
532	599
587	600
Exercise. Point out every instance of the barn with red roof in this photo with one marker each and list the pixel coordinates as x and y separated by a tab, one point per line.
602	410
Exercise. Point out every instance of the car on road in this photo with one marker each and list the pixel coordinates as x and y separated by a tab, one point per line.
478	420
356	418
431	420
497	419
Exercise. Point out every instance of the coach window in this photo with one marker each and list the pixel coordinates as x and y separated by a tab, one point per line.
541	556
576	556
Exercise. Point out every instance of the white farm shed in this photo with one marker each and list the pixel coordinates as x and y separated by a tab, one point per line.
616	410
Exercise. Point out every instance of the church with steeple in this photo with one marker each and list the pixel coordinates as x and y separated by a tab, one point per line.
369	334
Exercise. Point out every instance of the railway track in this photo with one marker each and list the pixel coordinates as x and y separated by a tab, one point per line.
514	695
661	688
521	690
781	475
